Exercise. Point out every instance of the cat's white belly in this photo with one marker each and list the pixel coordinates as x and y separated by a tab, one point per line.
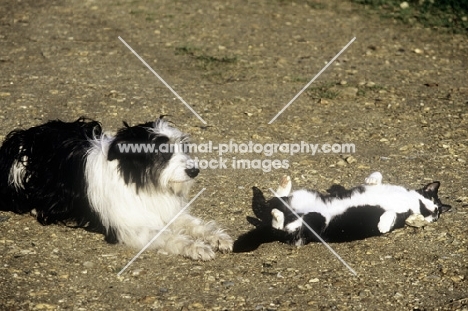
389	197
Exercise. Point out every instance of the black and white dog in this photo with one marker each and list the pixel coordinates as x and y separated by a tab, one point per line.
74	173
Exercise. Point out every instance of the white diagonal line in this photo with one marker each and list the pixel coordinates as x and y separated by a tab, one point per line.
162	80
316	235
160	232
311	81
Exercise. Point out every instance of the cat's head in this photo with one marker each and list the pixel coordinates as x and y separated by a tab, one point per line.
431	207
263	208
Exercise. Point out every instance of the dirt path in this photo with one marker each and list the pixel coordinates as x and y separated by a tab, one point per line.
398	94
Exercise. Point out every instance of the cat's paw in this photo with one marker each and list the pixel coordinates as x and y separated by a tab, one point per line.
374	179
277	220
284	188
387	221
294	226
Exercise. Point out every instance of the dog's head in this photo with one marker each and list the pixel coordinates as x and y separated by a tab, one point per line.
152	156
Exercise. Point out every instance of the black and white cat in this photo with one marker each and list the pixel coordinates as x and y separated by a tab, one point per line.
341	215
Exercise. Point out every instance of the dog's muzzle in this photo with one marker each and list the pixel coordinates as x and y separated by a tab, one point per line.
192	172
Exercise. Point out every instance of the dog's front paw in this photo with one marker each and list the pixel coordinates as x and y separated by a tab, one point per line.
374	179
387	221
221	241
198	250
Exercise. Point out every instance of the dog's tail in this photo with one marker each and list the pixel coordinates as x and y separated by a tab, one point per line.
11	152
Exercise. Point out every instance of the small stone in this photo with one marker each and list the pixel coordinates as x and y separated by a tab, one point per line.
197	305
227	283
351	160
418	51
432	278
314	280
457	278
341	163
404	5
148	299
398	295
45	306
88	264
349	91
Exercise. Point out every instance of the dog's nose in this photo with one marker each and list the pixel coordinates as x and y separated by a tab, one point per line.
192	172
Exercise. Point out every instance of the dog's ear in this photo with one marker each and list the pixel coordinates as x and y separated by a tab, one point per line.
113	152
117	149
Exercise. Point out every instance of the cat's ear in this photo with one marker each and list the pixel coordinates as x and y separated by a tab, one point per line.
258	202
444	208
432	188
258	196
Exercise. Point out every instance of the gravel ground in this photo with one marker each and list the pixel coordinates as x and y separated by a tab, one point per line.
399	93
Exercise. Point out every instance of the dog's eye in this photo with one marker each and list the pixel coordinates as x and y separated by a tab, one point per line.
185	148
166	155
